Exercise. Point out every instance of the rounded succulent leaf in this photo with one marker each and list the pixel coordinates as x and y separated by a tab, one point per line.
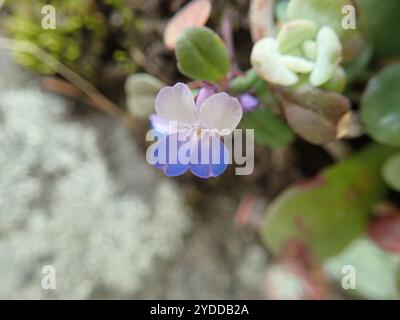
267	62
294	33
329	54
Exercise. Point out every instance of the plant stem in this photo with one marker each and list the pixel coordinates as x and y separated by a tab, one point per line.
99	99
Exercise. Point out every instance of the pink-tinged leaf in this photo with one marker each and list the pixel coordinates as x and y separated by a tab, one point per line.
261	19
385	232
316	115
297	276
194	14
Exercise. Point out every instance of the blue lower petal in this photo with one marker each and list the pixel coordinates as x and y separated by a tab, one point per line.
162	151
210	169
214	153
174	170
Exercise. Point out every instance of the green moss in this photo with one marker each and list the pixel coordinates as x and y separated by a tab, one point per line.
82	35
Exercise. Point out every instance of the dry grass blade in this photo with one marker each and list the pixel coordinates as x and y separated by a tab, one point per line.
98	99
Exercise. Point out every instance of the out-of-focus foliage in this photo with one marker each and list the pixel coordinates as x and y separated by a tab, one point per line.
321	12
328	13
380	22
82	31
269	130
375	270
291	282
245	82
316	115
331	210
357	44
391	171
384	229
300	51
331	214
381	106
297	275
141	90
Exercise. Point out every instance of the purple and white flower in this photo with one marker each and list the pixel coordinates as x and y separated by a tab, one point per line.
189	132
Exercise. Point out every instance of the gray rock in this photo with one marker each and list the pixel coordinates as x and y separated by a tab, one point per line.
105	231
12	75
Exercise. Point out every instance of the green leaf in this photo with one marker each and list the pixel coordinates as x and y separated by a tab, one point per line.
375	270
338	81
202	55
263	92
141	91
269	130
380	21
331	210
381	106
360	63
316	115
243	83
391	171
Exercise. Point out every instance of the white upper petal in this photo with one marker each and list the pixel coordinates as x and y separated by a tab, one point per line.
176	104
221	112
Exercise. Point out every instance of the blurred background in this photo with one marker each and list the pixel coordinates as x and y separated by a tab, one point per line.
76	192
